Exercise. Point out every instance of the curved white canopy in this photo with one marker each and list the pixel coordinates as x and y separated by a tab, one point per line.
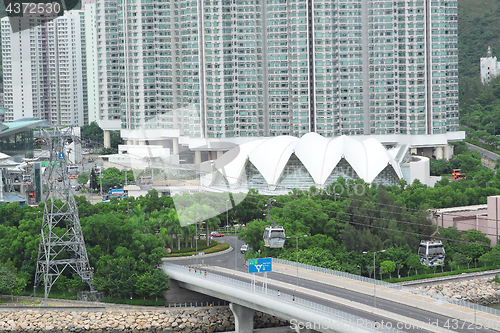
232	163
270	157
318	154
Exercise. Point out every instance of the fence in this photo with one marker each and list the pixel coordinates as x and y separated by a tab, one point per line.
348	320
393	286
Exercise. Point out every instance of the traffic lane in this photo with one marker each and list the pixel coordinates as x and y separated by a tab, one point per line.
368	316
226	260
487	153
404	310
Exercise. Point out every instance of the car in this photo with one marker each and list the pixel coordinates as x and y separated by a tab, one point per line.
244	248
77	187
216	234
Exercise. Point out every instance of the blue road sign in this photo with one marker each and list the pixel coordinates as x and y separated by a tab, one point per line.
61	156
260	265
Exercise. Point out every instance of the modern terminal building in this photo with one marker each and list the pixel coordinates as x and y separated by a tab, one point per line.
16	148
278	165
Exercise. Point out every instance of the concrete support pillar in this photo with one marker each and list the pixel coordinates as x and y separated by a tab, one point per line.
448	152
439	153
175	146
243	318
130	142
197	157
142	143
220	153
107	139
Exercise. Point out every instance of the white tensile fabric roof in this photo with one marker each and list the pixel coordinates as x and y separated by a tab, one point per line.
318	154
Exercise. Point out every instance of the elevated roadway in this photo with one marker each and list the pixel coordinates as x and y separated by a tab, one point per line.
411	311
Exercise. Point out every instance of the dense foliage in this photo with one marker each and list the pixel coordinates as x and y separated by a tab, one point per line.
126	239
94	136
111	178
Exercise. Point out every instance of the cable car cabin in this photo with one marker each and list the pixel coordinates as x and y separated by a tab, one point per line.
274	237
431	253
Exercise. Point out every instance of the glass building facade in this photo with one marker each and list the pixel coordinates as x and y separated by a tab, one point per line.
280	67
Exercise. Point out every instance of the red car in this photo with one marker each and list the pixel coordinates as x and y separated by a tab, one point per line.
216	234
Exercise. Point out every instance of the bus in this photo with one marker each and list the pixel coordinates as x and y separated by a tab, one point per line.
115	193
73	171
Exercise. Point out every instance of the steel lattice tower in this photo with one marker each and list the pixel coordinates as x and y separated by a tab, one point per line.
66	248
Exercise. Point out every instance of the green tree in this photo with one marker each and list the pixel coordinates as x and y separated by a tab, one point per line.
152	283
413	261
7	280
112	178
460	259
93	133
83	178
486	258
94	183
253	234
388	266
117	276
314	257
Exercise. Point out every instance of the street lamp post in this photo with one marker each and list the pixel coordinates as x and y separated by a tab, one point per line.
235	248
100	178
374	277
227	215
297	250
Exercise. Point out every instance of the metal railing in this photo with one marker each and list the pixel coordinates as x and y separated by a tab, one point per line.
393	286
346	319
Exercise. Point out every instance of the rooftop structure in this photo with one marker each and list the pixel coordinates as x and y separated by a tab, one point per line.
490	67
283	163
484	218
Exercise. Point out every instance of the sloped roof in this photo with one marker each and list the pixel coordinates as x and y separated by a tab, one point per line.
318	154
232	163
271	156
15	127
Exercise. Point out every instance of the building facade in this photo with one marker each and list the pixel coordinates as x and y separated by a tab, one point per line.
89	61
490	67
256	68
43	70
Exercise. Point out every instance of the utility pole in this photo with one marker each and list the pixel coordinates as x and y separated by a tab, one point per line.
56	252
374	277
100	182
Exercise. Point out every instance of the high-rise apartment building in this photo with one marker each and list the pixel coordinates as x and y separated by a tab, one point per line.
281	67
42	67
89	61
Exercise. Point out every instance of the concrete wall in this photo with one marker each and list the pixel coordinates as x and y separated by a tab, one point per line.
480	217
493	217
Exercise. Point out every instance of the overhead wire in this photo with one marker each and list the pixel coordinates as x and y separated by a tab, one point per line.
386	219
381	227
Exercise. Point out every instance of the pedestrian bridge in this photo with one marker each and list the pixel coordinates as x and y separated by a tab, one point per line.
246	298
